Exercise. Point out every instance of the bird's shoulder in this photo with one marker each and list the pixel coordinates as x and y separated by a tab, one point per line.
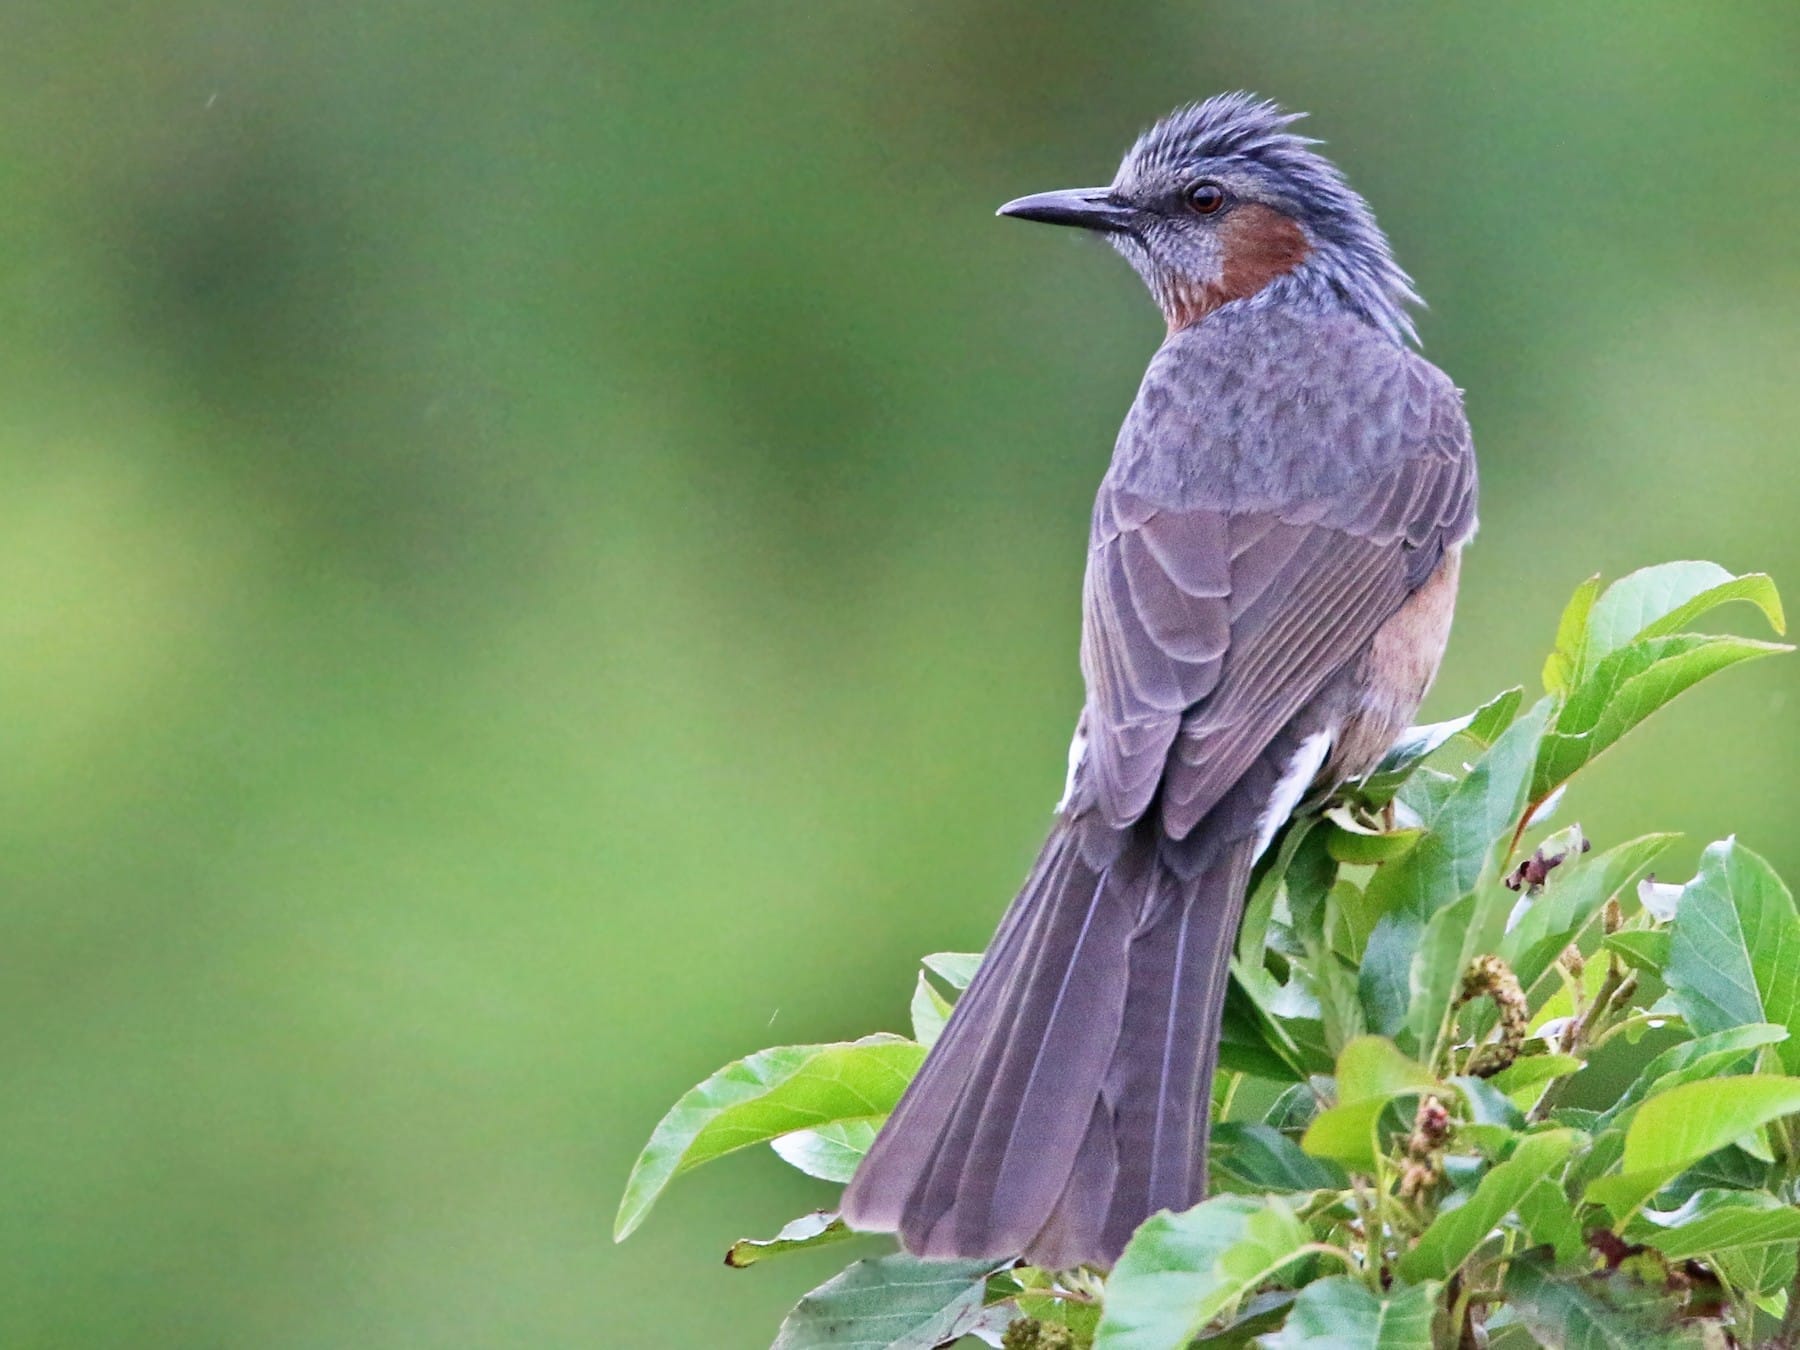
1262	408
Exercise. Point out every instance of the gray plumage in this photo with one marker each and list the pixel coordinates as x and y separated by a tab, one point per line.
1245	141
1269	547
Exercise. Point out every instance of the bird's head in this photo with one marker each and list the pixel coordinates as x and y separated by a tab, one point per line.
1220	202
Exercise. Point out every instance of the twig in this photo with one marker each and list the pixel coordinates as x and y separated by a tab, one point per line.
1588	1030
1459	1307
1643	1019
1371	1226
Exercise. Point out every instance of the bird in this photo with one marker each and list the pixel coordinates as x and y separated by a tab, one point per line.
1272	567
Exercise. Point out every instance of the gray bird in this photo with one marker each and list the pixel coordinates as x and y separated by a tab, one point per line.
1271	572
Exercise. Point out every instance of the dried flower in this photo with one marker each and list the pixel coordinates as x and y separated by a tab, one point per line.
1492	977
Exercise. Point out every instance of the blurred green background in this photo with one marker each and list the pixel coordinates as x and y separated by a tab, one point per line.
540	548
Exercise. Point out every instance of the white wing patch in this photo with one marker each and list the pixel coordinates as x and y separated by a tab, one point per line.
1077	753
1301	770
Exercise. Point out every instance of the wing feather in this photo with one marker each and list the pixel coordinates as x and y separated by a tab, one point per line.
1208	626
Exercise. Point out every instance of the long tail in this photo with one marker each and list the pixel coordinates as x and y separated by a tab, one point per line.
1068	1098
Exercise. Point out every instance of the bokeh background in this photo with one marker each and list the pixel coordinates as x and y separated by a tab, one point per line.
539	552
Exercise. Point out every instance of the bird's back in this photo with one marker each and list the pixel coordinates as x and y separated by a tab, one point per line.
1275	405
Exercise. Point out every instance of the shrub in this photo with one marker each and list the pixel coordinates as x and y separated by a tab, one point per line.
1424	969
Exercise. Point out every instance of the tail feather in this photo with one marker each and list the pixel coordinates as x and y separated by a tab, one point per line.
1162	1071
903	1151
1002	1161
1067	1098
1075	1230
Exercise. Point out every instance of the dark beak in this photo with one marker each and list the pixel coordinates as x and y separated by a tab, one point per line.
1084	208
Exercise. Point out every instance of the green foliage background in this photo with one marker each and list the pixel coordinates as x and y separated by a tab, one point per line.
539	552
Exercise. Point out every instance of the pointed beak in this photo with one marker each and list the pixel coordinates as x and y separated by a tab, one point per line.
1084	208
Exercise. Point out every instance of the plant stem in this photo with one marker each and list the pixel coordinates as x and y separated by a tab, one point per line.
1587	1031
1459	1306
1546	1103
1371	1226
1625	1024
1519	830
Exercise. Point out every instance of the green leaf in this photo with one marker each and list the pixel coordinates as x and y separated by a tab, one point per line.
1676	1128
1264	1159
1251	1042
1342	1313
1082	1319
1466	828
1481	726
1286	871
1316	1006
1257	1315
1645	949
1425	791
1717	1055
1575	1117
1716	1221
1625	688
1340	1011
1349	922
1684	1124
1307	878
1523	1080
1488	1105
1454	1234
819	1229
1254	995
1730	1169
1371	1068
832	1152
1758	1271
893	1302
1734	948
772	1093
1349	840
1563	666
1575	893
1601	1157
1469	832
1549	1220
1754	587
1454	937
955	969
1590	1314
930	1010
1493	717
1656	601
1293	1109
1179	1271
1371	1072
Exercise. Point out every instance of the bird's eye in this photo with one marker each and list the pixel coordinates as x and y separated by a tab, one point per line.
1206	198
